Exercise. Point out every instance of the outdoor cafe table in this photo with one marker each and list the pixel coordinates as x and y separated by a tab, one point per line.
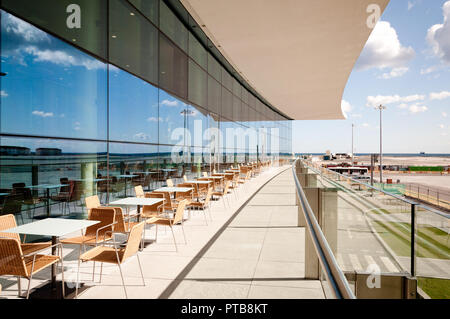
138	202
47	187
173	190
55	228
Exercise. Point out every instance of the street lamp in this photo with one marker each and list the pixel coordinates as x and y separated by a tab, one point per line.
353	126
381	108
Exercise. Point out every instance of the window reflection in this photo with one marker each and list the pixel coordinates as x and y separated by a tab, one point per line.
172	113
51	177
51	88
136	101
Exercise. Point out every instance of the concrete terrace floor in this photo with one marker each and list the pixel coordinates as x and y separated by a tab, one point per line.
247	250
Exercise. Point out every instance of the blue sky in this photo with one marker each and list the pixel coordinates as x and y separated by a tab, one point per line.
406	66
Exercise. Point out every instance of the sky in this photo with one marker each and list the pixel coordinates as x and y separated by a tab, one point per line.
405	65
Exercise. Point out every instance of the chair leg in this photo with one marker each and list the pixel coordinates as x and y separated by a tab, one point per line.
123	281
78	279
140	268
204	215
19	286
101	272
93	272
174	240
62	279
156	235
29	285
184	235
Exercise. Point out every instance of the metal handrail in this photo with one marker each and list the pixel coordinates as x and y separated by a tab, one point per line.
410	202
334	275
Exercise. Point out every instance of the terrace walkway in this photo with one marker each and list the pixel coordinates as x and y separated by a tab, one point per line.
251	249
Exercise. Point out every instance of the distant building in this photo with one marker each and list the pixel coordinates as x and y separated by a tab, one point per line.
48	151
14	150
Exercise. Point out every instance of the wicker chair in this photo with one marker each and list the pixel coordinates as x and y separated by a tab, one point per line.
139	191
169	203
15	263
169	182
92	202
9	221
96	233
171	221
223	193
205	204
114	255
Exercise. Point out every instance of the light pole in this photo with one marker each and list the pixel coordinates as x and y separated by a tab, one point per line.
353	126
381	108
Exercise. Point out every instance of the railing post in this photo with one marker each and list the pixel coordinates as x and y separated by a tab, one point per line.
413	240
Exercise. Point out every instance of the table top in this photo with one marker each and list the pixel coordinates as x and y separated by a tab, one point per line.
137	201
126	176
55	227
215	177
168	169
199	182
89	179
145	173
173	189
47	186
4	194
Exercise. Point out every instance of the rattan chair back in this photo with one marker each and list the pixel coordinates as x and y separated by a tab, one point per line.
11	260
134	240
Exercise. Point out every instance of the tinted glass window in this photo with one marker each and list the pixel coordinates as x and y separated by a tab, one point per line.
227	104
214	68
214	95
51	15
128	29
172	113
198	92
197	52
173	27
149	8
227	80
140	112
51	88
172	68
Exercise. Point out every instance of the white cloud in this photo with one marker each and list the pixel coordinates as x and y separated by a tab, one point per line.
438	36
395	73
429	70
384	50
42	114
373	101
365	125
417	108
345	107
441	126
439	96
62	58
403	106
411	5
356	115
169	103
3	93
23	29
154	119
444	114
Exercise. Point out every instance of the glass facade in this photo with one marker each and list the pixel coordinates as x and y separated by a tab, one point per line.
98	96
